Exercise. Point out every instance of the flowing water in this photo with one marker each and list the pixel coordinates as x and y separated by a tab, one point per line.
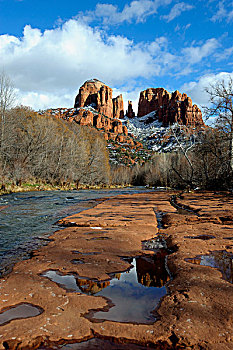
27	219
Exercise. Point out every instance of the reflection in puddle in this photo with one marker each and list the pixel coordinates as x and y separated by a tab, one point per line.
66	281
220	260
134	294
204	237
20	311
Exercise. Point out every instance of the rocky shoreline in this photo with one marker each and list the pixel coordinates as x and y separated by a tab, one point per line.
196	313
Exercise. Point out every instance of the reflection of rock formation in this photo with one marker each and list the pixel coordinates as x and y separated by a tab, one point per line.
88	286
151	270
196	261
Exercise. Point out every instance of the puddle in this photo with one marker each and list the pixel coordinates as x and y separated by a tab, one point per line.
103	344
135	293
24	310
220	260
67	282
204	237
132	294
77	261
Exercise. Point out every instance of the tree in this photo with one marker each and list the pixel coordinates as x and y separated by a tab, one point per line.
7	97
221	108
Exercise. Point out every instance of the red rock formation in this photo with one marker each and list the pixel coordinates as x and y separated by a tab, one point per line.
84	116
118	107
169	108
98	95
130	113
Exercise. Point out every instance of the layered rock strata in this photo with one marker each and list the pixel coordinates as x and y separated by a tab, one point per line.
169	108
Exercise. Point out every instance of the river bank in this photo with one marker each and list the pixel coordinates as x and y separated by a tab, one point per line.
9	188
28	218
196	312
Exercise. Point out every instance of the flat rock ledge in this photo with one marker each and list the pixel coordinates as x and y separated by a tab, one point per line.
195	314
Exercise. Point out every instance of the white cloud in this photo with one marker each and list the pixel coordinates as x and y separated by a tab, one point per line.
225	54
134	11
196	89
57	62
62	59
225	12
129	96
40	101
49	67
176	11
195	54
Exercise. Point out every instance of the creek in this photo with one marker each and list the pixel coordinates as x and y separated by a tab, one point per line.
27	219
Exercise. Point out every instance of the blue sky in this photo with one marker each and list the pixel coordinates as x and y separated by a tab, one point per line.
49	48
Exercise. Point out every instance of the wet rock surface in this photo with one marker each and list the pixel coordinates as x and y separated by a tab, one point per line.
195	314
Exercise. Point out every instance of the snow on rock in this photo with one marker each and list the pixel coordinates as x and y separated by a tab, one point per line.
155	136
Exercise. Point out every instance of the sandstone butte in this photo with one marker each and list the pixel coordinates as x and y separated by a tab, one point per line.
195	314
170	108
94	106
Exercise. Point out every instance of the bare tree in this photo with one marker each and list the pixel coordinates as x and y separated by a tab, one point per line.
221	108
7	97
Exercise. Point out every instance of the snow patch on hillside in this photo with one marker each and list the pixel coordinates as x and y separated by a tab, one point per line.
154	135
